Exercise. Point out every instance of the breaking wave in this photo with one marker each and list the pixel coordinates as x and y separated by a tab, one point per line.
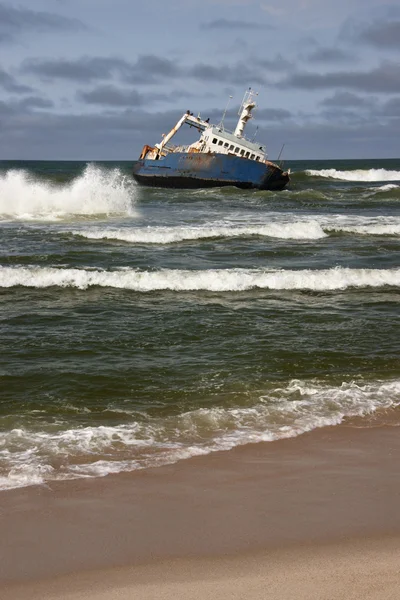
96	191
213	280
356	175
29	456
307	230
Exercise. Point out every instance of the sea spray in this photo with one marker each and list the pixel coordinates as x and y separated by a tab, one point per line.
96	191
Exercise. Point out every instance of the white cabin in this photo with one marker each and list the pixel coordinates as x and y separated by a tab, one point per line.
214	138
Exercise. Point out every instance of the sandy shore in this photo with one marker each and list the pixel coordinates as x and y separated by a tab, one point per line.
312	517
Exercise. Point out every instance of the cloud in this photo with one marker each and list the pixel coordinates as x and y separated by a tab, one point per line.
233	74
329	55
346	100
9	83
392	108
85	69
382	35
16	21
272	114
384	79
108	95
24	106
231	24
277	63
146	69
120	135
149	67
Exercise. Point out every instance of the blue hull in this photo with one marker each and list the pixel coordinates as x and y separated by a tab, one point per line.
198	170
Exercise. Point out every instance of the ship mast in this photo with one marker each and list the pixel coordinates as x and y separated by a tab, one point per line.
245	112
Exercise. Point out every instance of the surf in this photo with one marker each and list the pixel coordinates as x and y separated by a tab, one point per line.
97	191
207	280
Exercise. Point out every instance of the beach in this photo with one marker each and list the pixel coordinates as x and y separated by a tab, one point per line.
200	388
314	516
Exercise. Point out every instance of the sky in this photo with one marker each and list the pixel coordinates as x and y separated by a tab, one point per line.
98	79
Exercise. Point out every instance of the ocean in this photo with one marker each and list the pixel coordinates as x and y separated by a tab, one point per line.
142	326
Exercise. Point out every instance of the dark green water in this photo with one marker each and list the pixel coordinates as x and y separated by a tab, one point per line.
141	326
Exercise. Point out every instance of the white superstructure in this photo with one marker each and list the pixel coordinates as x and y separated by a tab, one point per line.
215	139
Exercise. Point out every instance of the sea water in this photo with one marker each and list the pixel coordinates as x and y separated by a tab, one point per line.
141	326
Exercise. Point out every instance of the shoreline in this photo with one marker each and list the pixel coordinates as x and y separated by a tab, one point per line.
322	494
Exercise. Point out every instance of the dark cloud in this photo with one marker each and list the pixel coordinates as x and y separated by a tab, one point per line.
108	95
233	74
382	34
272	114
82	70
347	99
121	135
9	83
277	63
231	24
384	79
330	55
15	21
24	106
391	108
146	69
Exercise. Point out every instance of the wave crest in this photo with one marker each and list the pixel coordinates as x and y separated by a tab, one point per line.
94	451
356	174
96	191
212	280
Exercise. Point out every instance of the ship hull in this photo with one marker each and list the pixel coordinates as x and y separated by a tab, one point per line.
206	170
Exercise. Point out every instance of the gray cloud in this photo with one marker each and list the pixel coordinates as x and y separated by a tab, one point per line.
384	79
149	67
382	34
146	69
392	108
330	55
231	24
277	63
347	99
226	74
272	114
24	106
15	21
9	83
121	135
85	69
108	95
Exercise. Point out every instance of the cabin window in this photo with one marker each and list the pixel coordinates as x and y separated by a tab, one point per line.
257	158
220	143
226	145
214	141
247	154
242	152
252	156
231	147
236	149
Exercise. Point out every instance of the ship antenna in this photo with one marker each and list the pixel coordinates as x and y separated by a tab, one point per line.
255	133
280	153
221	124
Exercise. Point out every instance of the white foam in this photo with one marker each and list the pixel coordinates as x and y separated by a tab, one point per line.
384	229
96	191
213	280
301	230
30	457
362	225
356	174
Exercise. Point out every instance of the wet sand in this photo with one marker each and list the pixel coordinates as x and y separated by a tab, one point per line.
311	517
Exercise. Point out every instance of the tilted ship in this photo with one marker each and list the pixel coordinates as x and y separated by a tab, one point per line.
218	158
